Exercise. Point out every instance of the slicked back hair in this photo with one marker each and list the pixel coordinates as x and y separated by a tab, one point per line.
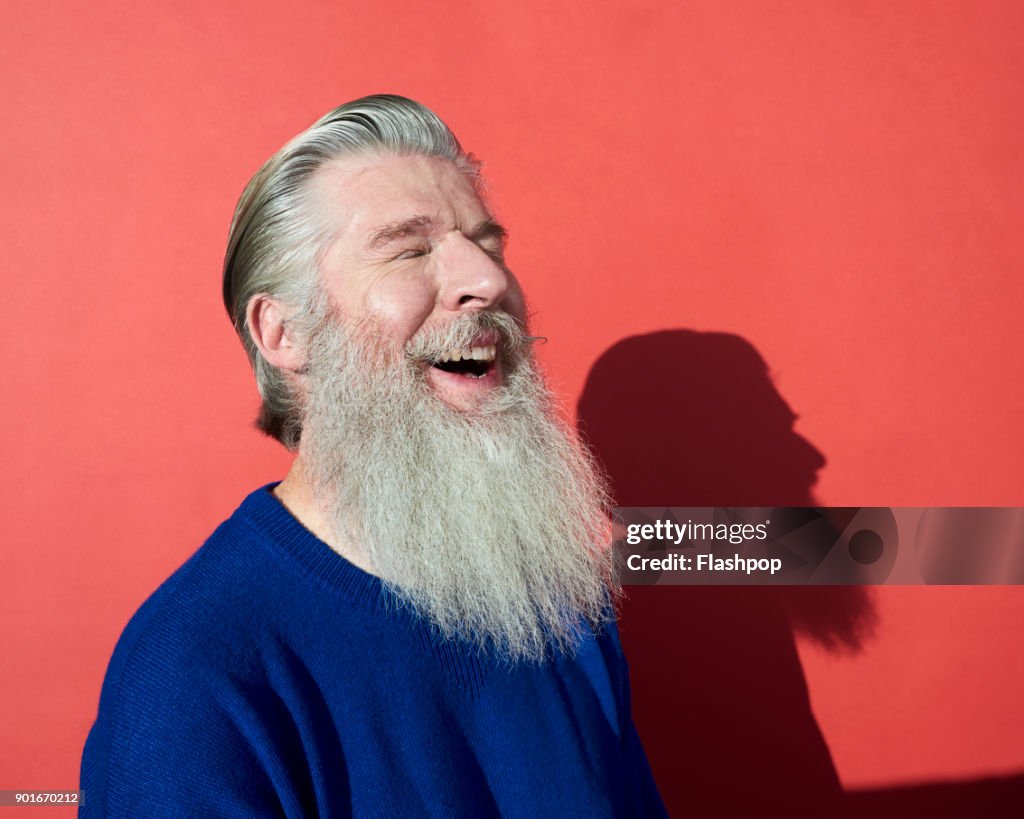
276	237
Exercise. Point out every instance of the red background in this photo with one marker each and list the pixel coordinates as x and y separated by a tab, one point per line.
838	183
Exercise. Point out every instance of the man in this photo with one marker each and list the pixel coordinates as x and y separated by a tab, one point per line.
416	620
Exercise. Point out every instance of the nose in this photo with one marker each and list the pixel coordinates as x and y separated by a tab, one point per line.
809	453
469	277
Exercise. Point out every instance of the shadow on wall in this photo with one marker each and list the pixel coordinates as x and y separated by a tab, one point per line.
994	797
682	418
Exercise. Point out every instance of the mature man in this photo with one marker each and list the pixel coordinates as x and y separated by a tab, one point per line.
416	620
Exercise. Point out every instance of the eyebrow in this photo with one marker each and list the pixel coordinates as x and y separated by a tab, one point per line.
488	229
414	226
422	225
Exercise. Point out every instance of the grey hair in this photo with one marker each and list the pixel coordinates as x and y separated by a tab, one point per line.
275	238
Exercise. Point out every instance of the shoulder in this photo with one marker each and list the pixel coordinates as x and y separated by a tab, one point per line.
180	700
206	620
211	601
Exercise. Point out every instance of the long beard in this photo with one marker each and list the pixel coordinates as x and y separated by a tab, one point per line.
491	524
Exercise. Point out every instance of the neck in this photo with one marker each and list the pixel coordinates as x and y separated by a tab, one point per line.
296	494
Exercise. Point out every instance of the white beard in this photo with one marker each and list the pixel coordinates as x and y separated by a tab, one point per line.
491	524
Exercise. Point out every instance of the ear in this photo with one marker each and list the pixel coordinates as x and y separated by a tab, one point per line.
267	321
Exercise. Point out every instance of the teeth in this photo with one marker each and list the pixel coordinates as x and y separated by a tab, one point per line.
488	353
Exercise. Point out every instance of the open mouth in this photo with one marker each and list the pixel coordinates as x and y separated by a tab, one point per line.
471	362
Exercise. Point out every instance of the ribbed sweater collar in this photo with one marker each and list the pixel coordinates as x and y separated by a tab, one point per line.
265	514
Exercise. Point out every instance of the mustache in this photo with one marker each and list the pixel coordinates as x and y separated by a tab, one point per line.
430	343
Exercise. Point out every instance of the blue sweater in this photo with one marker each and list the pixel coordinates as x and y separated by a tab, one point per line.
270	677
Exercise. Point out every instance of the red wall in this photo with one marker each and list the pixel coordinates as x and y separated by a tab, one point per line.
838	183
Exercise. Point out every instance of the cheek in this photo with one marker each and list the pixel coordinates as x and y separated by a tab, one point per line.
514	302
401	305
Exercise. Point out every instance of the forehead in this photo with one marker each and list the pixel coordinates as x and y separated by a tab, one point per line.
359	195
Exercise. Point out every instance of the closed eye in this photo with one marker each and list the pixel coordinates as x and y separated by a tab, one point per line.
412	253
493	246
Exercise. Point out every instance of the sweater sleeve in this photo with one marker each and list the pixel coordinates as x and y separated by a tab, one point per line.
643	799
188	723
646	799
176	739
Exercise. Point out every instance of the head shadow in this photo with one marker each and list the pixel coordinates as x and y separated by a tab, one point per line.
687	418
684	418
